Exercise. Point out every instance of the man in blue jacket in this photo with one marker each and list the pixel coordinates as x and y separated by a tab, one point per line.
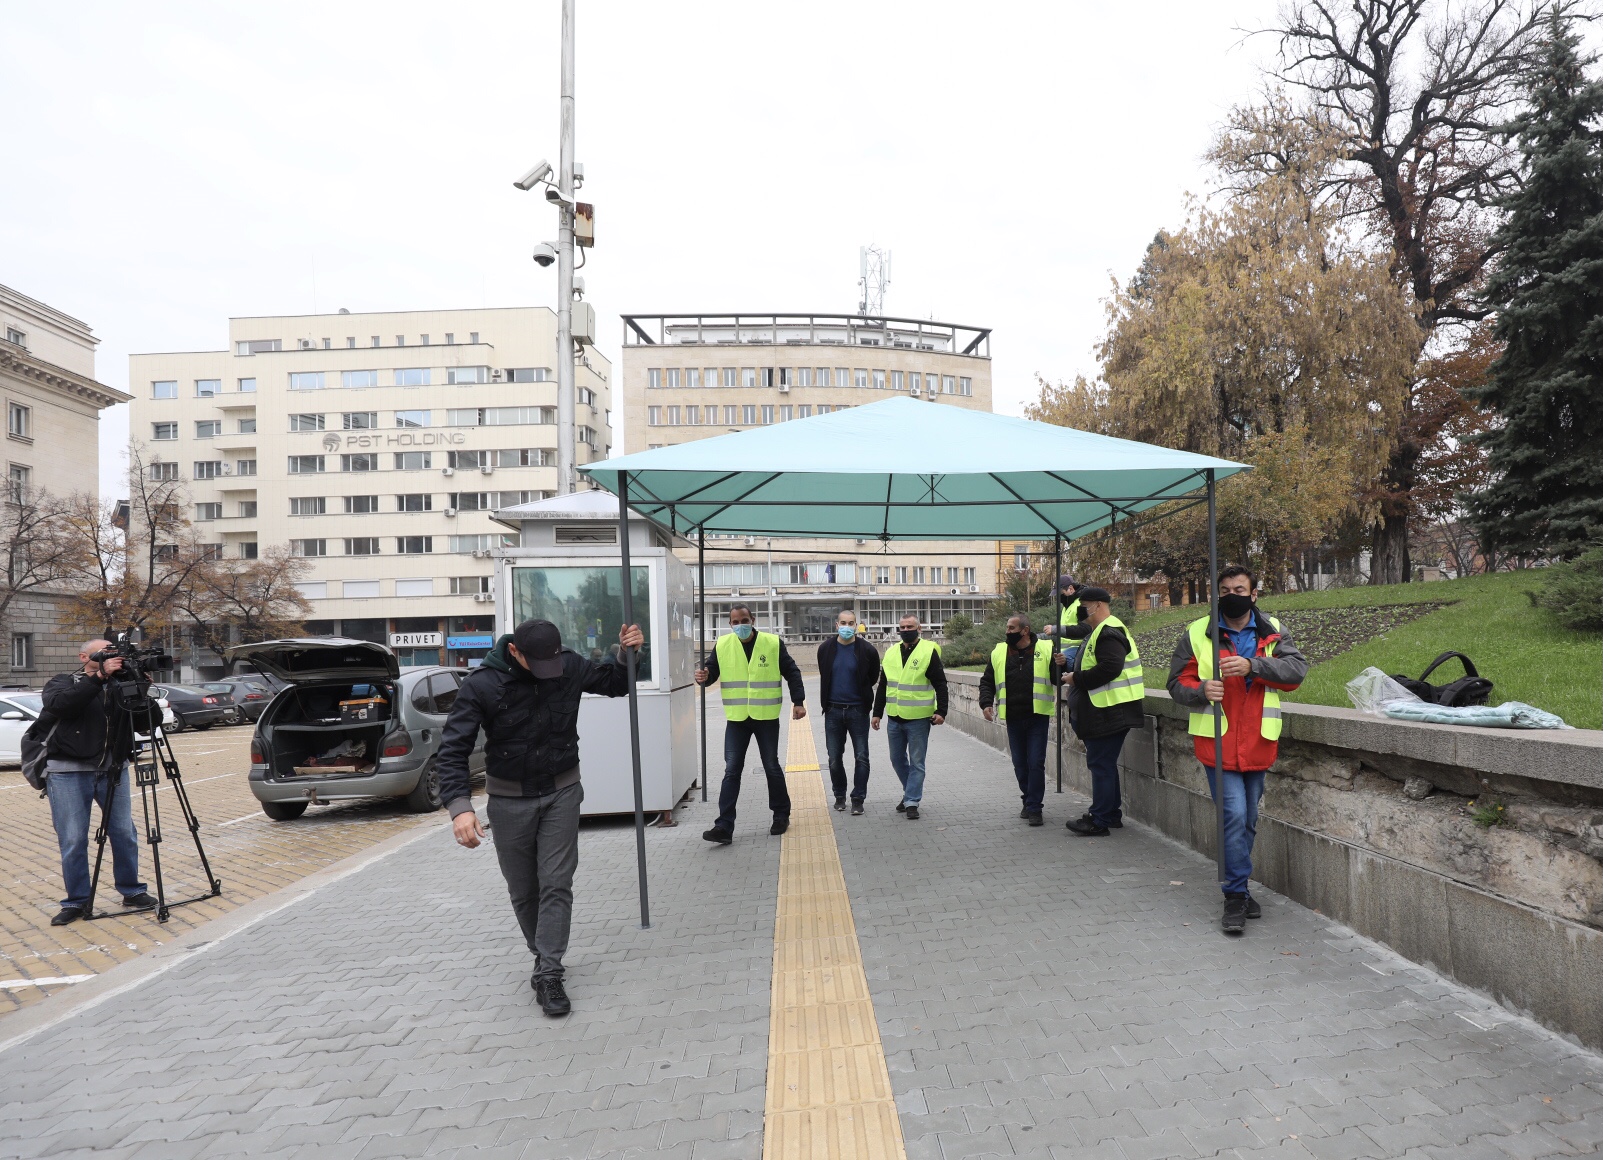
848	668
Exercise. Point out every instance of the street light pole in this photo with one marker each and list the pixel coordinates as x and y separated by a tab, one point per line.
566	442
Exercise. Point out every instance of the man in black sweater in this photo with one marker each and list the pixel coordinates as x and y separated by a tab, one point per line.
848	666
525	696
1106	692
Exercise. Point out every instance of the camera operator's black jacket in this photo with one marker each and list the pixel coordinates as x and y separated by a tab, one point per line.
90	726
531	725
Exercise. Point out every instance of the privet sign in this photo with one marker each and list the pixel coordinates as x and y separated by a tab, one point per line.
416	639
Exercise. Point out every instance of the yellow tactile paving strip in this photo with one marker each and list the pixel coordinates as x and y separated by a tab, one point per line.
829	1091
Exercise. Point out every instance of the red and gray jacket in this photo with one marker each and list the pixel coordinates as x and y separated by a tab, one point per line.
1251	736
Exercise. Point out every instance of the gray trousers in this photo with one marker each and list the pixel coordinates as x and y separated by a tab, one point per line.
537	843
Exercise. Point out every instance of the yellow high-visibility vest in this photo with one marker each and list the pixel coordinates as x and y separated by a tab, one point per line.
1129	685
1071	614
749	688
908	692
1200	723
1041	694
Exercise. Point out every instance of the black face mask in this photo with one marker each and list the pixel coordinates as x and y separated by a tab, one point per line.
909	635
1067	598
1233	604
1013	639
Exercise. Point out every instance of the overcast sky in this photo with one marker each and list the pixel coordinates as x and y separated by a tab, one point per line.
170	165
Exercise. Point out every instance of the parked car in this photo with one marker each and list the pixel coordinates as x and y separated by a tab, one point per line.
192	708
348	724
252	693
19	710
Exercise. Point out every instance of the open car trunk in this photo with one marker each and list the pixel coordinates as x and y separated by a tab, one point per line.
311	734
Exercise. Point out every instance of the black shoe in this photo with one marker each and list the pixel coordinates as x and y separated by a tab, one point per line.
857	808
722	837
781	824
912	813
1253	909
901	807
1116	824
146	901
1235	916
1085	827
552	998
1025	812
1034	818
840	803
68	914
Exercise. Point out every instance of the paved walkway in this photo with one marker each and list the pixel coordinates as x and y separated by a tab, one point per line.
1036	995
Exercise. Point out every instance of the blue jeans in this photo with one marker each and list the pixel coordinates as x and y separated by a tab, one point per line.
737	739
1102	758
840	720
1026	742
1242	792
909	741
70	796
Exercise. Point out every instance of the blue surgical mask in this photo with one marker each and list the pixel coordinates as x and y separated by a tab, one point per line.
846	631
744	631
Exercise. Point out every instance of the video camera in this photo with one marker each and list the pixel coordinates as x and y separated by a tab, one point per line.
136	658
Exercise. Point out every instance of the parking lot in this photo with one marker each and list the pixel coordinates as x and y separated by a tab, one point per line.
250	854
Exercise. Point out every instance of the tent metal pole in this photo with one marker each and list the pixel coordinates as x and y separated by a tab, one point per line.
701	643
634	699
1218	712
1057	648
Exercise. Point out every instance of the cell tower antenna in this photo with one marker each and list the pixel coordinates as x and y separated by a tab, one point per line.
874	275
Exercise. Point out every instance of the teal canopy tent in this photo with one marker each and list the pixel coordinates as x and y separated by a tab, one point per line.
900	469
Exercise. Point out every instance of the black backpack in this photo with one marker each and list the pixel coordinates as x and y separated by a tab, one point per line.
1470	689
35	751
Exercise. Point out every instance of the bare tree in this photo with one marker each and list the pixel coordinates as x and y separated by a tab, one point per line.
38	545
235	601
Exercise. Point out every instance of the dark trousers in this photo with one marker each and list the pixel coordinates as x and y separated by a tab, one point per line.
1026	742
1102	757
737	737
537	843
839	721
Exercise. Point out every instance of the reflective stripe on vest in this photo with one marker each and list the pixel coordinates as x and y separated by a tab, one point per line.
1040	693
749	689
908	692
1130	684
1200	723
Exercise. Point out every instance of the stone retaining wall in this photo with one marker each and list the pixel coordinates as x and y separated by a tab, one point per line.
1368	821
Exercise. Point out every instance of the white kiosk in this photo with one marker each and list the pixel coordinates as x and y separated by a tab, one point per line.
567	570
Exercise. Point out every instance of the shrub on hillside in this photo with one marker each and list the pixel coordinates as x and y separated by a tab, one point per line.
1574	592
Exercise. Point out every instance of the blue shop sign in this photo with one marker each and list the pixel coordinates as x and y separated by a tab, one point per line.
484	640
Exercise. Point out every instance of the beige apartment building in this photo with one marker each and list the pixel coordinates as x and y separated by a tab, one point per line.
53	405
693	376
378	446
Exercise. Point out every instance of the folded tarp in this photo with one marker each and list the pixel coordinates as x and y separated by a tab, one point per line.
1508	715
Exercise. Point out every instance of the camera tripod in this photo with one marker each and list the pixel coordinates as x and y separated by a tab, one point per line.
151	760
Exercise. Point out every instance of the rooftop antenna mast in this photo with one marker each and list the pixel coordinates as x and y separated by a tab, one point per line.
874	275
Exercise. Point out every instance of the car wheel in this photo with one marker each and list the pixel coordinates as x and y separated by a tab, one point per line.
283	811
178	725
425	796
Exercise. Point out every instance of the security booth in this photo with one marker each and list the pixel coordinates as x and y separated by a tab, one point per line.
568	569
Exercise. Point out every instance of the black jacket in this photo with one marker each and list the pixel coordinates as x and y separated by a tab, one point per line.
787	669
936	674
89	725
531	725
867	670
1019	673
1112	647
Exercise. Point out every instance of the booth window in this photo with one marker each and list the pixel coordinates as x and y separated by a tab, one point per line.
586	605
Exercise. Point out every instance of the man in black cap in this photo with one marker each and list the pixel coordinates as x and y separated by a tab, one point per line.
525	696
1106	693
1071	627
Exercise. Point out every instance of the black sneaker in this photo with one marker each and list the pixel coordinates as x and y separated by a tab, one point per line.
901	807
1117	823
1253	909
1033	818
1085	827
781	824
722	837
1025	812
68	914
857	808
840	803
145	901
1235	915
912	813
551	996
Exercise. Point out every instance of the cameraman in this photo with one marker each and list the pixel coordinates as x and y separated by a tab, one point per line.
90	742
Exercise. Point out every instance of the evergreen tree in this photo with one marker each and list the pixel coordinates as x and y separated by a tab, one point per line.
1546	389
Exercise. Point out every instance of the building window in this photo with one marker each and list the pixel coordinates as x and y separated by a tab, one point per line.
244	467
165	552
208	428
525	457
968	576
208	388
414	502
896	380
358	378
460	544
1021	557
163	472
247	426
748	376
414	546
210	552
673	416
259	346
208	468
470	501
965	386
247	508
309	547
16	337
901	574
768	413
305	464
247	549
164	431
462	376
362	546
167	389
786	413
247	387
654	416
19	421
804	411
350	343
879	380
508	499
450	339
803	376
918	575
748	414
20	478
467	460
533	375
306	422
311	505
306	381
359	420
586	435
21	642
412	377
368	462
882	575
915	382
400	340
473	337
361	504
843	377
693	376
728	376
821	377
413	460
375	341
208	511
673	377
469	585
411	418
731	416
693	416
424	338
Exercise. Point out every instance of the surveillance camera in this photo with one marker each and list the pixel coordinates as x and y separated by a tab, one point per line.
556	197
534	177
544	254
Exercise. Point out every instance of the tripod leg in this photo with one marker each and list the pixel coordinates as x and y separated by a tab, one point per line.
176	779
101	834
145	775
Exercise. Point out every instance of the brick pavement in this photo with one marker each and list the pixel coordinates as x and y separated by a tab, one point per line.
1036	995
